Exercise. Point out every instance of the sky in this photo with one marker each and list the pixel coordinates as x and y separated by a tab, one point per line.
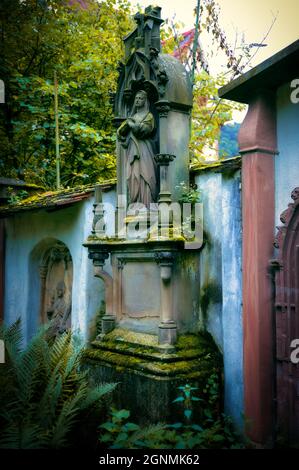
253	17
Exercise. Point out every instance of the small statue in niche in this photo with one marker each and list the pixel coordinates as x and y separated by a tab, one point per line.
134	135
295	194
59	311
286	214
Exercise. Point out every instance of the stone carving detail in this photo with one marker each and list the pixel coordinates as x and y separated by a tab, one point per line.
99	257
98	222
163	108
56	278
135	136
160	73
58	253
121	263
165	258
59	311
142	68
285	218
164	159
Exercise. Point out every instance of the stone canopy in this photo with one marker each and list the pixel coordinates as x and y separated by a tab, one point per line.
144	67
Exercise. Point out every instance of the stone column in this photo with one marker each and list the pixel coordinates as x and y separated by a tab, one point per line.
257	140
163	160
109	319
167	329
163	108
98	213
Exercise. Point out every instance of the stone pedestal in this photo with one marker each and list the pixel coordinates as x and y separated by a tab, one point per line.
145	291
148	375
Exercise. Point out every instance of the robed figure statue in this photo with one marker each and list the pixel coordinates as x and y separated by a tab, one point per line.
134	135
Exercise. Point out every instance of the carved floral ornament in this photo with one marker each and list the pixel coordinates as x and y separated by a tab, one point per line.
142	68
57	252
286	217
99	257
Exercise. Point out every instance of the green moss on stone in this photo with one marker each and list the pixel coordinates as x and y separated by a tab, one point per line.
194	356
221	164
210	293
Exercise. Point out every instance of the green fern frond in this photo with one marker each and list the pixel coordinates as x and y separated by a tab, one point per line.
66	419
48	405
43	391
97	393
145	433
24	436
60	350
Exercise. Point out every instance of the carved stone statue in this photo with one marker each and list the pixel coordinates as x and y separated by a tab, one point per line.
295	194
59	311
134	135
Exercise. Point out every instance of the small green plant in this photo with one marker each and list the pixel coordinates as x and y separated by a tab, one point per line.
186	398
119	433
16	197
216	430
188	194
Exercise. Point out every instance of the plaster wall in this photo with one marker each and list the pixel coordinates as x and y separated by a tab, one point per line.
286	162
27	231
220	287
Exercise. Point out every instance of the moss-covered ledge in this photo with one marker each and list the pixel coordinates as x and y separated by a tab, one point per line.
194	357
221	165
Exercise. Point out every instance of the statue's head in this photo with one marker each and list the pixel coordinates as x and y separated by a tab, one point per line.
141	100
60	289
295	194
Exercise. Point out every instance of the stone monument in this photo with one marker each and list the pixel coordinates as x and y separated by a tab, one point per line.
152	280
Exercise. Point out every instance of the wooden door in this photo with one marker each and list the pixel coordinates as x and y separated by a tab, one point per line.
286	310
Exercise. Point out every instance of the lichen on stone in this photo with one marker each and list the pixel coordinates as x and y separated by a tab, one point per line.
195	355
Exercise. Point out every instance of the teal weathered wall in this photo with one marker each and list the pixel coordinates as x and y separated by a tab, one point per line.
25	233
287	161
220	287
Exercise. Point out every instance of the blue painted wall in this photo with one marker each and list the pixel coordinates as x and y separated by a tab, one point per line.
287	162
221	269
24	234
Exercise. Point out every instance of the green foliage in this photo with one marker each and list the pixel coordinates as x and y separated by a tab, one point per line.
119	433
188	194
209	114
44	395
83	46
15	196
214	432
186	398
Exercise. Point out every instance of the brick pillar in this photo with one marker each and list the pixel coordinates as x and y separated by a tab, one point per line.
257	140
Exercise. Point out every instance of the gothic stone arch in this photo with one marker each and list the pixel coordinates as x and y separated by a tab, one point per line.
51	271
